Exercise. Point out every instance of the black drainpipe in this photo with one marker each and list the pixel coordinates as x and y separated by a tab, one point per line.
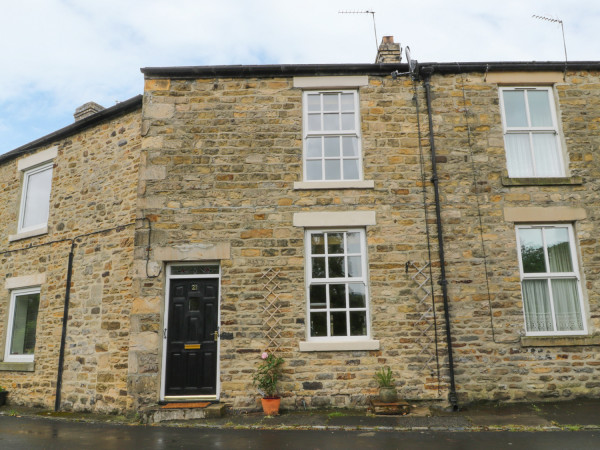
63	338
452	397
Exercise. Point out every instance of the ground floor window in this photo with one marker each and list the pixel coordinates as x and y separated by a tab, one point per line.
337	288
22	323
550	280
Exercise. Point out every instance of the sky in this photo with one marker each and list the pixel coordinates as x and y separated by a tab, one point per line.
58	54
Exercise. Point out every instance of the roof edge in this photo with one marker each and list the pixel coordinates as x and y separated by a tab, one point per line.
116	110
239	71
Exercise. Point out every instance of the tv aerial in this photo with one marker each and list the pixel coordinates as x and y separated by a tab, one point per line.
372	15
552	20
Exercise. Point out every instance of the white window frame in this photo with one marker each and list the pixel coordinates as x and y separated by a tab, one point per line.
575	274
11	317
26	176
346	280
530	130
353	133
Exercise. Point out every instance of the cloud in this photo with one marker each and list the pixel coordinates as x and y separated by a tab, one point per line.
58	54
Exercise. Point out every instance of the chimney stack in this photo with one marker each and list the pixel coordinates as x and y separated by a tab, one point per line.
86	110
389	51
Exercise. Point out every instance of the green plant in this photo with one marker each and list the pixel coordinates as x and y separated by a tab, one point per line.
267	375
384	377
2	388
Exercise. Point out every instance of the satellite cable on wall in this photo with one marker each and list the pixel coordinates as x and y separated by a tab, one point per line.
372	15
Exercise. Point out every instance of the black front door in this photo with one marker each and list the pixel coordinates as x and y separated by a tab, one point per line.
192	336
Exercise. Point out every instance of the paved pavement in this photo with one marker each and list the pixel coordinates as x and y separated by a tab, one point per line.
583	414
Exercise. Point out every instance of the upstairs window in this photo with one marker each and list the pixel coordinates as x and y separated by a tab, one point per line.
331	136
531	136
35	198
337	284
22	324
550	283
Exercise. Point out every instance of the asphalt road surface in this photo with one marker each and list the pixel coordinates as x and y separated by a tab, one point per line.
32	433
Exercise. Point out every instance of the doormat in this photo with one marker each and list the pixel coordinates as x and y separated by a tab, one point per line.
185	405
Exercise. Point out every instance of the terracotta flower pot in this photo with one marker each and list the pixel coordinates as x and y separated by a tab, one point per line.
271	405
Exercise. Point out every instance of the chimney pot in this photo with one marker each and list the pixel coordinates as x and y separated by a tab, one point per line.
389	51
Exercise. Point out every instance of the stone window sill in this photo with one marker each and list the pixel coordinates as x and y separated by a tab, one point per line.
559	341
338	346
28	234
309	185
17	366
559	181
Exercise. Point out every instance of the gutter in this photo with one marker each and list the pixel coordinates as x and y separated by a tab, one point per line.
381	69
452	396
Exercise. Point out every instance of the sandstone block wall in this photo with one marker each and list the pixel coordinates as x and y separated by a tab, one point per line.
93	188
220	157
506	366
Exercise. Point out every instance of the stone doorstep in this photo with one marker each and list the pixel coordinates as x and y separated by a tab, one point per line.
157	414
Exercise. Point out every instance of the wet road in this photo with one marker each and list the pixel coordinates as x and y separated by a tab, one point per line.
32	433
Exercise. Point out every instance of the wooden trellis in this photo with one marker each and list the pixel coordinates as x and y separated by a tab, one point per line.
271	309
426	320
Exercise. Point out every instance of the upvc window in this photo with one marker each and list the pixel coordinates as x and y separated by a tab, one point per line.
337	289
35	199
550	282
22	324
331	136
531	135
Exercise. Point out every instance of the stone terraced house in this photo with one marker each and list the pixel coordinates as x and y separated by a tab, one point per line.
311	211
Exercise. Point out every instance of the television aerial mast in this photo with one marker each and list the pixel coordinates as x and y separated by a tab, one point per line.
372	15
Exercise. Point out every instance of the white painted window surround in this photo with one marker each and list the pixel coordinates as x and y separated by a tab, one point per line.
332	143
22	324
531	132
550	281
35	195
342	298
336	285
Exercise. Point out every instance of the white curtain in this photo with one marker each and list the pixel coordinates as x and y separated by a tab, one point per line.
538	314
547	159
518	155
559	256
566	305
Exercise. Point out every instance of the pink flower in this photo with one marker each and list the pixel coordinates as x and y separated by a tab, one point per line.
264	355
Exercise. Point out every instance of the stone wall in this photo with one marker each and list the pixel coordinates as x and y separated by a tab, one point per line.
220	157
93	189
211	163
502	364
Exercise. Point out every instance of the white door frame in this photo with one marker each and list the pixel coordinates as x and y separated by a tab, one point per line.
163	371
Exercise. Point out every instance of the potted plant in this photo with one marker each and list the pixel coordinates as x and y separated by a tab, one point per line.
3	394
265	379
387	388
